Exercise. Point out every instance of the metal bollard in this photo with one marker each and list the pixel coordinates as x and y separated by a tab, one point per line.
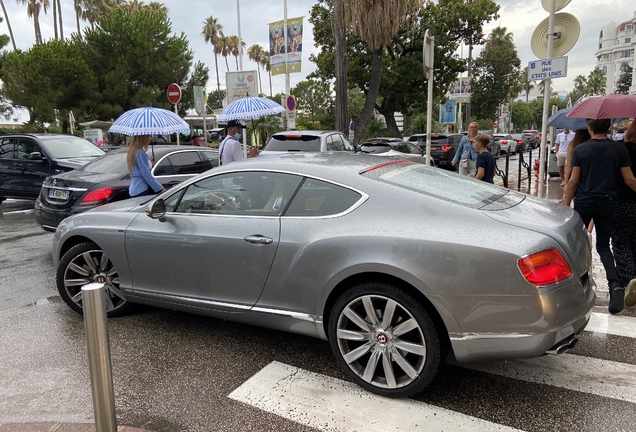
99	357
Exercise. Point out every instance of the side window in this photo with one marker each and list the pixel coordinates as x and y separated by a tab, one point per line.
164	167
188	162
348	145
319	198
25	147
244	193
6	149
337	142
330	143
213	157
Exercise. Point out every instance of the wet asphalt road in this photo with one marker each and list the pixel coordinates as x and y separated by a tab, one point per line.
174	371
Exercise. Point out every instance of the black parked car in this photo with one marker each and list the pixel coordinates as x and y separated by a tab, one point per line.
523	142
27	159
393	147
443	148
107	179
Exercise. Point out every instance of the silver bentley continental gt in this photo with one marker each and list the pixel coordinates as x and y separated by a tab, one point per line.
395	263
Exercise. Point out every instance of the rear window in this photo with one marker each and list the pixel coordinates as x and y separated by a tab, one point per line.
300	143
439	183
375	148
114	163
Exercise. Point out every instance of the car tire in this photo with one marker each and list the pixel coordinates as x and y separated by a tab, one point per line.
396	358
86	263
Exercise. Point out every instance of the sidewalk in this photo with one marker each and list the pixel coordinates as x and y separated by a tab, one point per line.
59	427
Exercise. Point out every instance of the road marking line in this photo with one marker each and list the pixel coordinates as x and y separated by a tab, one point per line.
612	324
329	404
604	378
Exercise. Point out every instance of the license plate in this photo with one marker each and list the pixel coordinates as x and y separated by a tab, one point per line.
433	148
58	194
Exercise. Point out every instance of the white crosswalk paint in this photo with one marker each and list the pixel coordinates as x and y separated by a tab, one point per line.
328	404
333	405
617	325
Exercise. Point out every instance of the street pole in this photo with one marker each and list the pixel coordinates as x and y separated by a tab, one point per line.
546	106
286	55
238	18
429	52
177	113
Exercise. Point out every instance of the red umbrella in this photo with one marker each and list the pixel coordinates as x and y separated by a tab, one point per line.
602	107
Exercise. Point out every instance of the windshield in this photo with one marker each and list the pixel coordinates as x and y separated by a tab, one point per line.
375	148
68	146
439	183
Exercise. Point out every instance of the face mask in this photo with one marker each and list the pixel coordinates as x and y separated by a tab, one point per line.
237	136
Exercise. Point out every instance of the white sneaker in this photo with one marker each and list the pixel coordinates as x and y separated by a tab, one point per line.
630	294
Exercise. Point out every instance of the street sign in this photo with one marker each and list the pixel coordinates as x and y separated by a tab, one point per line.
198	99
174	93
290	102
426	51
495	125
556	67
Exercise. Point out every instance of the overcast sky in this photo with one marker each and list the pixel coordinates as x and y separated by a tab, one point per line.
519	17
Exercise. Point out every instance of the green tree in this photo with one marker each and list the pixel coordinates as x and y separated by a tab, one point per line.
596	82
496	73
528	84
47	78
6	17
521	115
34	7
624	81
212	31
313	98
215	99
198	77
135	59
265	127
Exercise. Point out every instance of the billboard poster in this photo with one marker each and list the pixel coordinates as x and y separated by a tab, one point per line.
290	51
460	90
448	112
241	84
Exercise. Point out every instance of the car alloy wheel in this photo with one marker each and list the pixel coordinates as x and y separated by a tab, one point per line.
86	263
385	340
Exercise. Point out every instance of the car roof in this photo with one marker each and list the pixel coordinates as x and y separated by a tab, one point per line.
306	132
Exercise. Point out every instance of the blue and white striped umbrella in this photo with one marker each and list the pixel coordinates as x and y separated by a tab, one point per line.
249	108
149	121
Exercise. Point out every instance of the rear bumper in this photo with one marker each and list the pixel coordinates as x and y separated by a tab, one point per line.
530	331
50	218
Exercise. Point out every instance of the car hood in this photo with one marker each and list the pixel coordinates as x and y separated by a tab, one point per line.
554	220
75	162
124	205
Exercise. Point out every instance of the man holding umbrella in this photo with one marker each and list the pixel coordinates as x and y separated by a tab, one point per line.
230	148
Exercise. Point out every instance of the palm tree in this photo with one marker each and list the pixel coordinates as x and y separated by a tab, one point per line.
340	56
234	47
224	49
255	52
596	82
580	83
265	64
33	11
212	30
528	83
6	18
377	22
498	36
91	10
59	14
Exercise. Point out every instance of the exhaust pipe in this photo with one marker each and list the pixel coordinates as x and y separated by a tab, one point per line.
564	346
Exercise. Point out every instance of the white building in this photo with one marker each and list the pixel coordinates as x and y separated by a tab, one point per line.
615	52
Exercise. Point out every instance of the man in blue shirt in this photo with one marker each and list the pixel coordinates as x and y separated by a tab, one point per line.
466	154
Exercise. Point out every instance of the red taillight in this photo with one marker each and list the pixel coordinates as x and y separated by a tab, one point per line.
446	148
544	268
519	142
98	196
504	142
537	136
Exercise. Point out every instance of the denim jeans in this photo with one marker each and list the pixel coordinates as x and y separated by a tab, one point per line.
603	212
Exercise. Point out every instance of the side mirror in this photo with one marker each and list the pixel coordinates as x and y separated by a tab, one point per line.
356	149
35	156
157	210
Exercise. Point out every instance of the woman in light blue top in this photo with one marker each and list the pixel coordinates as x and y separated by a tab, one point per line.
142	182
466	153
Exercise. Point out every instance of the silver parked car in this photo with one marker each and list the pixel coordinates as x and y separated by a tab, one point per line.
300	243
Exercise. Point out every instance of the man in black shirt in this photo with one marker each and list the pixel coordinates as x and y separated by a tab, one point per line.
598	165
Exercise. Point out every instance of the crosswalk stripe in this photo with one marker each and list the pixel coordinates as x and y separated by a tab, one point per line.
573	372
330	404
617	325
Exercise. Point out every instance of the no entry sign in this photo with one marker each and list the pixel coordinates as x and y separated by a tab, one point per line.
174	93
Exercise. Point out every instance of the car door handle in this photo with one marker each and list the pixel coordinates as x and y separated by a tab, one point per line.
258	239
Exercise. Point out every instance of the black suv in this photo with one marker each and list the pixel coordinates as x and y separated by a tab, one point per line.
27	159
443	148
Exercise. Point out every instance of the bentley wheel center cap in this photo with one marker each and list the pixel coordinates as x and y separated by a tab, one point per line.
382	338
100	279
